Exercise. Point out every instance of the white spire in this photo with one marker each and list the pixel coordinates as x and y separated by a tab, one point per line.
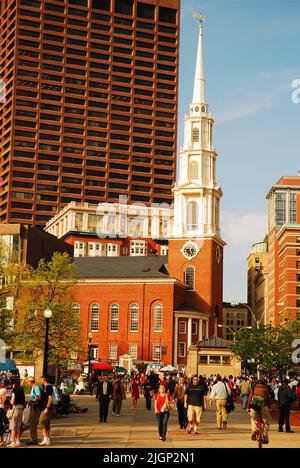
199	85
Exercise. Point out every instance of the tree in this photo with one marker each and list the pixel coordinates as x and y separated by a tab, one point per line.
9	280
49	285
270	348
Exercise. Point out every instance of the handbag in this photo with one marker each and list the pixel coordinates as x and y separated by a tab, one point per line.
229	401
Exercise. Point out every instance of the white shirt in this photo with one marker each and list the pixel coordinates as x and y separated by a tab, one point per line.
2	397
219	391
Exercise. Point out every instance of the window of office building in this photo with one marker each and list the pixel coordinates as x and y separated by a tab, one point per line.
95	317
133	349
158	316
113	352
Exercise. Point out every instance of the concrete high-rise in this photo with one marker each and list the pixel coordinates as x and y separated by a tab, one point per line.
91	104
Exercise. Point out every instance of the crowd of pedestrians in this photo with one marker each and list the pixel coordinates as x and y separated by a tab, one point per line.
168	392
190	397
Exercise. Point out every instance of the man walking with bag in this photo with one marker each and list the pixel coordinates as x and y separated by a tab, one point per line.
195	402
219	393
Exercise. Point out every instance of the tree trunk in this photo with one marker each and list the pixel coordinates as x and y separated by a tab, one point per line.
56	374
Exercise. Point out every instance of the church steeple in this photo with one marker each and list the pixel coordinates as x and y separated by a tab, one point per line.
199	83
197	194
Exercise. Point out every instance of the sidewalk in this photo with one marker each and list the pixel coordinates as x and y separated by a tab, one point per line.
137	429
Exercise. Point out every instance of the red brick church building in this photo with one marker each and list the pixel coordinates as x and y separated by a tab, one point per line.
155	307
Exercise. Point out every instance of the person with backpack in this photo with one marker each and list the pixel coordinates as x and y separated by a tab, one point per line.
258	406
46	410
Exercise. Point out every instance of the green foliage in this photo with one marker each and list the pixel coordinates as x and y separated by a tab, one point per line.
49	285
269	347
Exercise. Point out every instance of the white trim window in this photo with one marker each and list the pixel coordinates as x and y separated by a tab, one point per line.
189	277
133	351
94	317
164	250
156	352
158	317
182	327
114	318
182	349
134	318
138	248
76	310
194	328
113	352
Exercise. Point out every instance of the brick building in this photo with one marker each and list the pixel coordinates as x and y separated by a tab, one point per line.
283	250
91	104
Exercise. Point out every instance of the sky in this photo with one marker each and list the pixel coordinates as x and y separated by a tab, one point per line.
251	59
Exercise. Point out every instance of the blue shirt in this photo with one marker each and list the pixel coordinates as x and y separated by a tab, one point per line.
35	392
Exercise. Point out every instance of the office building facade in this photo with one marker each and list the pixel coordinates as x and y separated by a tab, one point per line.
90	111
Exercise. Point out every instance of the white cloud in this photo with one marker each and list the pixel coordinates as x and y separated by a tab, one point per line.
265	90
243	230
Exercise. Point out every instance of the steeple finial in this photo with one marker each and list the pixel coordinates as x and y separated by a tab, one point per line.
199	85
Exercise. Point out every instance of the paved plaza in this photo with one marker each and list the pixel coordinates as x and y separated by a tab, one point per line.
137	429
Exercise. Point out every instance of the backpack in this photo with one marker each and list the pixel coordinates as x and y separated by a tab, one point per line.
55	396
257	403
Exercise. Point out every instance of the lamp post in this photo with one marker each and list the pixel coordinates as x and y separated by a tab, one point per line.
232	331
257	321
90	336
47	314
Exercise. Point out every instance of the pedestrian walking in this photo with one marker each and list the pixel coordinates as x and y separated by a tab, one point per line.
118	396
46	410
178	395
135	392
35	410
162	407
262	392
18	402
195	402
219	394
148	393
245	389
284	400
104	395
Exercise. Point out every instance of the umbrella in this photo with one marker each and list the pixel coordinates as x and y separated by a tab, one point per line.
168	369
8	365
102	366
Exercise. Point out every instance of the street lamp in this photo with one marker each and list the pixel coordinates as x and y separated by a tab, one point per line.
47	314
90	336
257	321
232	331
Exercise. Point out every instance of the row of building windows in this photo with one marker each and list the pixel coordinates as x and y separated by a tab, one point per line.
122	7
182	327
132	351
114	310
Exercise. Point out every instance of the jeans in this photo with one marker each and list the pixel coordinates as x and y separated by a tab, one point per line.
117	404
244	399
182	413
162	422
33	422
284	416
148	402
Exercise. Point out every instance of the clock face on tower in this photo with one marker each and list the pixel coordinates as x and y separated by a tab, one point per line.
190	250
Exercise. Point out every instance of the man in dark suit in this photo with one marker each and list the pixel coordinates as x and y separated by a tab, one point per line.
104	395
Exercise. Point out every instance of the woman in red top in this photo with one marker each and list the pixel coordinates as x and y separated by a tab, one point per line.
135	392
162	410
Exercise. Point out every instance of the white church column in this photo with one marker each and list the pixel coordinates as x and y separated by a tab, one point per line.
200	331
189	338
175	341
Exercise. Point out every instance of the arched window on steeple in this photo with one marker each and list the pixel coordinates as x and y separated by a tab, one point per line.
189	278
194	170
192	216
195	135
